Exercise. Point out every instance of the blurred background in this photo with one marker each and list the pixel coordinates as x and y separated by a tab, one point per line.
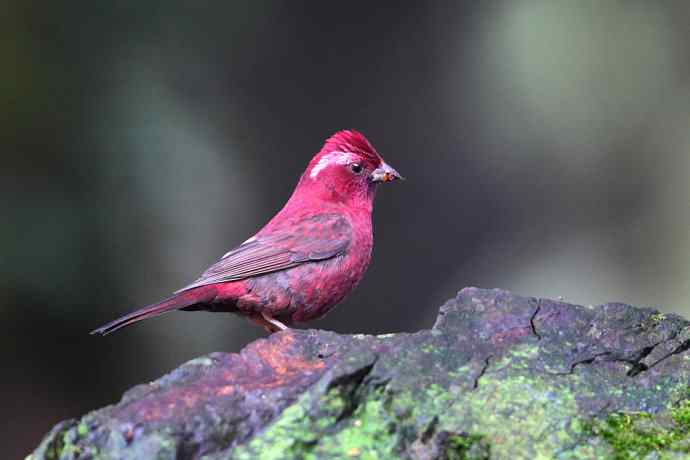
546	146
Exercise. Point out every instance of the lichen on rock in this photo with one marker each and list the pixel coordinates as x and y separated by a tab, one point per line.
498	376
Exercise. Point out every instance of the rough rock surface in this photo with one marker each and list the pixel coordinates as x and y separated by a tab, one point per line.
498	376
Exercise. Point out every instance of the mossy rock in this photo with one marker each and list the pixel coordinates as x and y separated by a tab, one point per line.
498	377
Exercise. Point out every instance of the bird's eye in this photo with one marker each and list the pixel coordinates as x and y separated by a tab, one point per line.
356	168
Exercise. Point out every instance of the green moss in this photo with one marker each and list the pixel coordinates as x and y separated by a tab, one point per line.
628	439
50	448
657	318
543	415
70	448
681	415
540	413
284	439
638	434
367	433
371	432
466	447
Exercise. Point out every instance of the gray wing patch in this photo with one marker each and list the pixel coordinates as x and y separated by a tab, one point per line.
319	237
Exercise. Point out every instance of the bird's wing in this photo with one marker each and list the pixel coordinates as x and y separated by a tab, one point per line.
298	241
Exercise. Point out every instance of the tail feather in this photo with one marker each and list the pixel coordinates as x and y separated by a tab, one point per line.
170	304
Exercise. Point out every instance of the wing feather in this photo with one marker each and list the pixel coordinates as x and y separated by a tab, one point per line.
310	239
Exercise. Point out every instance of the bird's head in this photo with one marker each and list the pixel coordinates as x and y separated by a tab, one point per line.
347	169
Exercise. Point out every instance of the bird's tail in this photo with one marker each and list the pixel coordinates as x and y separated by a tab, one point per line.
182	300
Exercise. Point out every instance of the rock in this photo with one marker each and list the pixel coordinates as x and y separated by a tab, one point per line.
498	376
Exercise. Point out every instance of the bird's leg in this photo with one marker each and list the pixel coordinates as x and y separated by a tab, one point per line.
277	324
270	324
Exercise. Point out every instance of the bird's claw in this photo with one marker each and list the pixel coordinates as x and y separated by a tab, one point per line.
270	324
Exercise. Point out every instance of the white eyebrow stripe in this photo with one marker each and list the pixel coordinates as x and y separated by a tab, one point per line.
340	158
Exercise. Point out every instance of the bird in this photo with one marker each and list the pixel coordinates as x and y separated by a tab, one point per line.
307	258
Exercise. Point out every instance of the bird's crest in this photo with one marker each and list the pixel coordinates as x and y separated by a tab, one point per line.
351	141
343	147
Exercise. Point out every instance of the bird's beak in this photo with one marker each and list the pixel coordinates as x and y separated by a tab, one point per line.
385	173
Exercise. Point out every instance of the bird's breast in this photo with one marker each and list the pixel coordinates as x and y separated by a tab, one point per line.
310	290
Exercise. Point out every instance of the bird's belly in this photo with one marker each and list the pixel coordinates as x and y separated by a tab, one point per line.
304	292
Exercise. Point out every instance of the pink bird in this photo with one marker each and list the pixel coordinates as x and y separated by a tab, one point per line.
307	258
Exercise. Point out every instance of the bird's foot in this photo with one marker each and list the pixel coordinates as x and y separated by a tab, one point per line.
269	323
